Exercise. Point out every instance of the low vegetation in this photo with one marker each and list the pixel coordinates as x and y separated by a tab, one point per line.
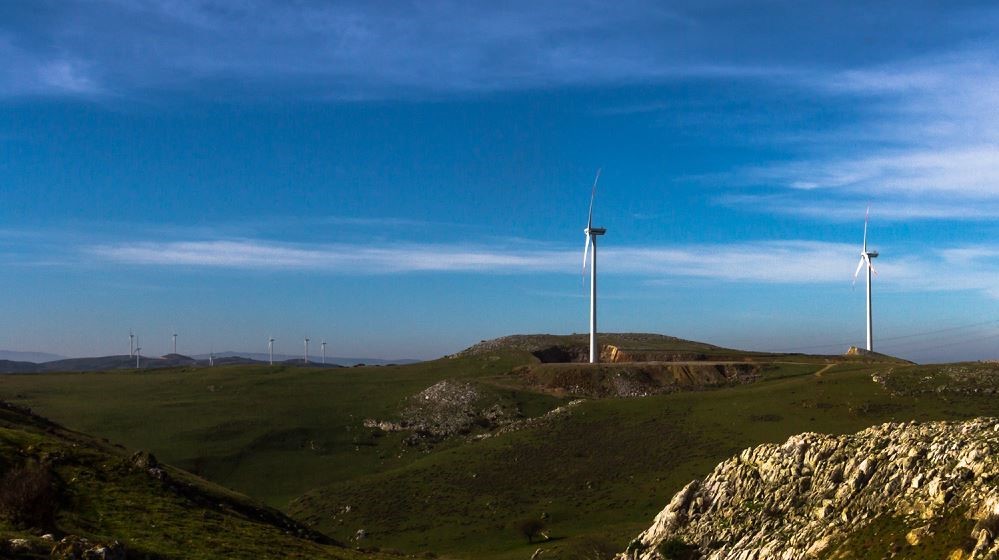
597	470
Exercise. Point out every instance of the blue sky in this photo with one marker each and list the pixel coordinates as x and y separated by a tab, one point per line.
405	179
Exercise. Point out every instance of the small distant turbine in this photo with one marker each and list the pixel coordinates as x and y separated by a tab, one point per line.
131	336
211	358
591	239
175	341
306	350
138	352
270	349
323	345
865	257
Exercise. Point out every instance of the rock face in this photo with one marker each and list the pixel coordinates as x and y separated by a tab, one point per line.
899	485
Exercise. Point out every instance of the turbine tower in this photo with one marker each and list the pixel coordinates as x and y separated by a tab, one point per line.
306	350
323	345
591	239
270	349
138	352
175	341
865	258
131	337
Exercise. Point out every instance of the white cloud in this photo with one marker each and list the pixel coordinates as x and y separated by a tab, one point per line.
783	262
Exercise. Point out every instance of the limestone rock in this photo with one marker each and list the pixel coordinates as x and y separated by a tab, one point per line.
805	497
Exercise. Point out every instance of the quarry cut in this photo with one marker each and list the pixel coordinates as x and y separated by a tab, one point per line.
810	497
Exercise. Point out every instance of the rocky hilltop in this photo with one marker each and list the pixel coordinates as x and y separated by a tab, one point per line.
910	490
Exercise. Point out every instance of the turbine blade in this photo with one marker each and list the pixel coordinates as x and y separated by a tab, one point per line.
586	251
859	266
871	264
867	217
593	194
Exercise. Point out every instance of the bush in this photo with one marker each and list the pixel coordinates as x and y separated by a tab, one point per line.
531	528
28	496
676	549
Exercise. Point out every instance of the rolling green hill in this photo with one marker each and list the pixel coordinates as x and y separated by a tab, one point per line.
596	470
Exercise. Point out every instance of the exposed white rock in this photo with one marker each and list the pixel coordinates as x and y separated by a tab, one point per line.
805	497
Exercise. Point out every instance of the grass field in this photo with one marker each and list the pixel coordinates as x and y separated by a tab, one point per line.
597	474
101	494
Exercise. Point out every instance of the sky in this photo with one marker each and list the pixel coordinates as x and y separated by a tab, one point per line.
404	179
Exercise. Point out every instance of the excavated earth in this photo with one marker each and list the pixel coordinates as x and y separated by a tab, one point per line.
909	490
632	379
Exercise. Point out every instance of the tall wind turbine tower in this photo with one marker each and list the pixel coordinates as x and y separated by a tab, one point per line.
175	341
138	352
591	239
323	345
306	350
270	349
865	258
131	337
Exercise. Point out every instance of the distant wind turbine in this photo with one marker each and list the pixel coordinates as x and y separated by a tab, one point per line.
591	239
865	258
324	351
211	357
131	336
175	341
270	348
138	352
306	350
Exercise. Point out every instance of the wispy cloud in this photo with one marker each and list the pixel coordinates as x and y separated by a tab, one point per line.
924	144
763	262
349	50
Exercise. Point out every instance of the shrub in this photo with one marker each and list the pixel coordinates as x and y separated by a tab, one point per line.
28	496
676	549
531	528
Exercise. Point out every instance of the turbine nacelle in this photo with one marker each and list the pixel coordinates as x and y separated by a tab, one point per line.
595	231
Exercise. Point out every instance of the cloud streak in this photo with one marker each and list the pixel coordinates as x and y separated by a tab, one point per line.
794	262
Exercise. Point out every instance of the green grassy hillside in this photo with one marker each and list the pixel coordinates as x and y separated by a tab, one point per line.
59	482
597	473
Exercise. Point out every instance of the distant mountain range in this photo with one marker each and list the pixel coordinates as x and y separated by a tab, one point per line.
104	363
37	357
263	357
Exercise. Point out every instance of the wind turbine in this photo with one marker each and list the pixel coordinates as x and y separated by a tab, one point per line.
138	352
324	352
591	239
306	350
270	349
865	257
175	341
211	357
131	336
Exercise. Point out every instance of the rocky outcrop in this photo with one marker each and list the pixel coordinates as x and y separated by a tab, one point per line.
899	485
446	409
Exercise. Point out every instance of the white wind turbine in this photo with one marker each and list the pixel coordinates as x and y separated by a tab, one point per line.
591	239
865	258
270	348
175	341
306	350
138	352
324	352
131	337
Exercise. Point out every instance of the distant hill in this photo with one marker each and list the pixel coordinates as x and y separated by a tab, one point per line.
36	357
108	363
313	357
